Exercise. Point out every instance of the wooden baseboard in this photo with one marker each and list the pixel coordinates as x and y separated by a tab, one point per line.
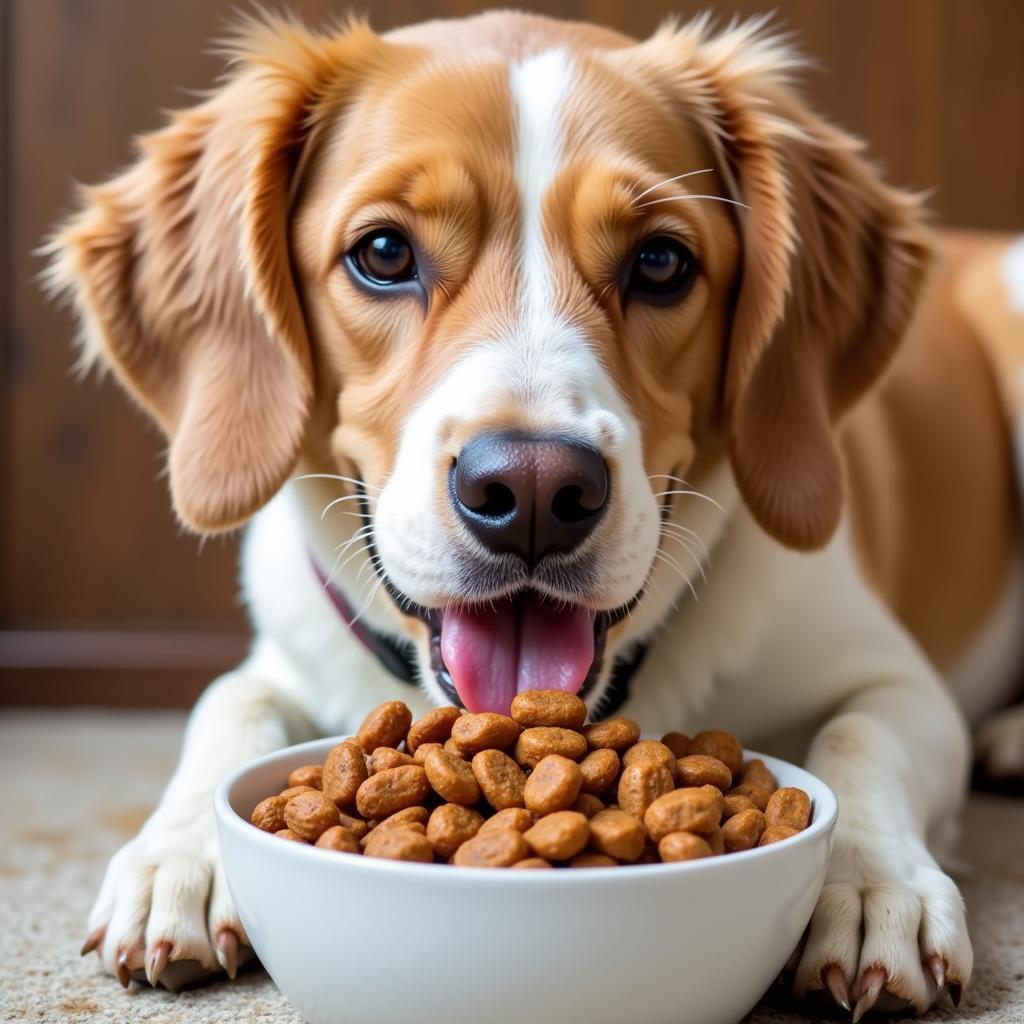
101	668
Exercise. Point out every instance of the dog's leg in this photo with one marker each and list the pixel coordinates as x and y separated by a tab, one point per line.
164	907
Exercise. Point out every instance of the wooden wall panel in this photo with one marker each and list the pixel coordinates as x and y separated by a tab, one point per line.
87	542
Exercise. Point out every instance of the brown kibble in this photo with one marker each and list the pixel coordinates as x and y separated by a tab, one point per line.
683	846
650	750
434	727
758	795
400	844
612	734
789	806
716	840
287	833
417	815
497	848
501	780
295	791
588	805
338	838
553	785
757	773
743	831
677	742
344	772
451	747
384	758
518	818
548	707
682	810
451	825
589	859
722	745
559	836
543	740
617	834
393	790
641	784
269	814
356	826
736	802
310	814
703	770
600	769
385	726
452	778
308	775
486	730
424	750
775	834
531	863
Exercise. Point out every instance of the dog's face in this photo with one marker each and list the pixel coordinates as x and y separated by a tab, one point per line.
521	279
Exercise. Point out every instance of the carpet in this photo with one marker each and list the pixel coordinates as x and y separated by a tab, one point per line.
75	785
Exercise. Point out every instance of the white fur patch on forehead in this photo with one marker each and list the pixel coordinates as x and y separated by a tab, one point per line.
539	86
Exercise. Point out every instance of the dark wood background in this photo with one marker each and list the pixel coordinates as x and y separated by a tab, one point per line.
102	600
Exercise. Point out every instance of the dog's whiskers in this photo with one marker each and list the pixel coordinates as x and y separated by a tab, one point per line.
338	501
662	556
335	476
680	199
668	181
694	494
684	531
693	554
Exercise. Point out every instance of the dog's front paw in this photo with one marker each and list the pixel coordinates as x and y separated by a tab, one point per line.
164	912
889	931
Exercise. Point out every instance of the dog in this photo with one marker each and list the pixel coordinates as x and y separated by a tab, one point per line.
536	356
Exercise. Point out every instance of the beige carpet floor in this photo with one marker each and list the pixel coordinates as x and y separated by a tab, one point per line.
75	785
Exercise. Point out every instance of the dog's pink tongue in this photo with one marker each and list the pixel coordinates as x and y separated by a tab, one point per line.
494	653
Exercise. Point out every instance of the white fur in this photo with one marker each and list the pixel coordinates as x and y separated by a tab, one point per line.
1013	274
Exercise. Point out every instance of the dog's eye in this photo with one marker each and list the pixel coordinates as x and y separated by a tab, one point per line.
663	268
383	258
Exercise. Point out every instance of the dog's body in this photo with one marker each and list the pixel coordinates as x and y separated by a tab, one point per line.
820	633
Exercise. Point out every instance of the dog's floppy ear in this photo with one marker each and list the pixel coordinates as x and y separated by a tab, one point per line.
180	271
833	263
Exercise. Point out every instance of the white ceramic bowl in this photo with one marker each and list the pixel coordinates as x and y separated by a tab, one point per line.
350	939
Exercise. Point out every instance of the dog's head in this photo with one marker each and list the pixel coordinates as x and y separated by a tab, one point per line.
522	279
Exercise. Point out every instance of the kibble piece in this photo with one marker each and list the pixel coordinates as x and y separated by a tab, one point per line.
617	834
757	773
452	778
450	826
716	795
451	747
682	846
518	818
393	790
612	734
548	707
677	742
559	836
434	727
269	814
703	770
743	831
417	815
600	769
355	825
589	859
339	838
400	844
775	834
716	840
682	810
789	806
501	780
641	784
308	775
587	804
540	741
736	802
295	791
310	814
287	833
531	863
344	772
758	795
424	750
385	726
384	758
650	750
722	745
486	730
553	785
497	848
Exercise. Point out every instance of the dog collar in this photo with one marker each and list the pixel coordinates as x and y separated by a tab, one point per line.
397	659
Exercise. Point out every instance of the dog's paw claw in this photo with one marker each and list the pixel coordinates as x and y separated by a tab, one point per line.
157	961
835	981
872	981
93	941
128	961
956	992
225	947
937	965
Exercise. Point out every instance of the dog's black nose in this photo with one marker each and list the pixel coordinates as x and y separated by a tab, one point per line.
529	495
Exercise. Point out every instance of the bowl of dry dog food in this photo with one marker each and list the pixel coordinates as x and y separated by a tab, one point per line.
468	867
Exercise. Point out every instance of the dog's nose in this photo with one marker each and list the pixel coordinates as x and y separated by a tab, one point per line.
529	495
